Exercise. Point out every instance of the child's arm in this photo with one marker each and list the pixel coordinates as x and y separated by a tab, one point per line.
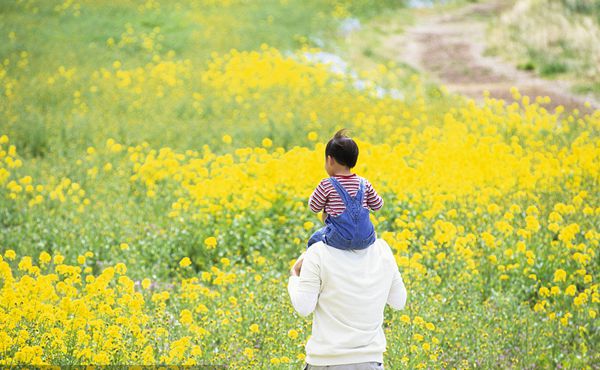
374	201
318	198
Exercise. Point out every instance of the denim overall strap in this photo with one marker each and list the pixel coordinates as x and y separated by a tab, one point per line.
358	199
361	191
341	191
353	204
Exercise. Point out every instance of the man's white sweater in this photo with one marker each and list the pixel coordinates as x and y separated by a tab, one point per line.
348	291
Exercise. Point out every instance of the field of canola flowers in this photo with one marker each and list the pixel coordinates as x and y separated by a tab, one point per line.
156	160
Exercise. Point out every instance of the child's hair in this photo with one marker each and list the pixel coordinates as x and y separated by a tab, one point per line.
343	149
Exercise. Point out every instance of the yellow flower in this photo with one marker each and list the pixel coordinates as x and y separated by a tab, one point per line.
571	289
493	208
185	317
249	352
120	268
210	242
44	257
124	246
532	223
146	283
312	136
58	259
10	254
254	328
227	139
560	275
532	210
308	225
267	143
260	260
185	262
580	299
201	308
25	264
405	319
196	350
489	239
292	334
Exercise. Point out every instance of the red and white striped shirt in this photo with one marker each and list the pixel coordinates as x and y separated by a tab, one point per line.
326	197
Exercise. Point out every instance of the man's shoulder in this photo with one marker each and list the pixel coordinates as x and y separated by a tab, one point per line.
316	247
379	244
384	247
315	251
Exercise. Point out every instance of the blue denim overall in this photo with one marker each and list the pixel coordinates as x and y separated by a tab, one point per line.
350	230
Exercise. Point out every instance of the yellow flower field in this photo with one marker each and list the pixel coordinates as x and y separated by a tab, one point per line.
154	197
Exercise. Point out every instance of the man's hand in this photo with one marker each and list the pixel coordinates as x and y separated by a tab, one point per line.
295	271
323	216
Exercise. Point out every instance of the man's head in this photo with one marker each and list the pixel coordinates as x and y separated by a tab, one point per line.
342	149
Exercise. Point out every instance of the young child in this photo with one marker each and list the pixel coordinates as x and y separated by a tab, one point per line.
345	199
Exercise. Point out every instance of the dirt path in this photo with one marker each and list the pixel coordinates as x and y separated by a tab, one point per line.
450	47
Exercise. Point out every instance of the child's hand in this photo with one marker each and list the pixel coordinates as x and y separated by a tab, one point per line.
323	216
295	270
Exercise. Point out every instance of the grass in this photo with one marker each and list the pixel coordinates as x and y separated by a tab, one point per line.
554	39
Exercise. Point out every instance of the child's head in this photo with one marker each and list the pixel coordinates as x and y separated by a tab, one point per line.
342	150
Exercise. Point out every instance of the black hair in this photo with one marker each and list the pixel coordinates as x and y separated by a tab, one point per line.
343	149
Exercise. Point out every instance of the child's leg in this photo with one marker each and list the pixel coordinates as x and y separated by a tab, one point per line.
317	236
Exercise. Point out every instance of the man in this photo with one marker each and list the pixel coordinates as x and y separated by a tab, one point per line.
348	291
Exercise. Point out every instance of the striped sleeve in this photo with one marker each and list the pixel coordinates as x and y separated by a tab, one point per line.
318	198
374	201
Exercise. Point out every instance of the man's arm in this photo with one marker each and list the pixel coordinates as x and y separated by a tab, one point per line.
304	289
397	296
